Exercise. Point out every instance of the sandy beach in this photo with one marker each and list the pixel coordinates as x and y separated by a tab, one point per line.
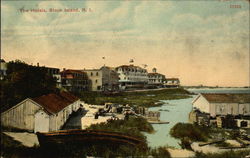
180	153
89	118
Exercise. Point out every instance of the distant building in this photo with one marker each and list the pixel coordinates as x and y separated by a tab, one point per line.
95	79
172	82
103	79
74	81
223	104
131	76
3	69
156	79
54	72
41	114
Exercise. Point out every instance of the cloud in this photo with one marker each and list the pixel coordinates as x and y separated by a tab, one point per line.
161	34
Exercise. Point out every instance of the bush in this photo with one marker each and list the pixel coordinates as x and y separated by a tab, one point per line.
160	152
24	81
185	143
230	154
133	126
187	130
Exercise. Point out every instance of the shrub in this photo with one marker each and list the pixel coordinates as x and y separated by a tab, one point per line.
229	154
133	126
160	152
193	132
185	143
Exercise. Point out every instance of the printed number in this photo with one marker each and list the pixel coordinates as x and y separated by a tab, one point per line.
235	6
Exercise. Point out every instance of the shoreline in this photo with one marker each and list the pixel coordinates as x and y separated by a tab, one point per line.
213	149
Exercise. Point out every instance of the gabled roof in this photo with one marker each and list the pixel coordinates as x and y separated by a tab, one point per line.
54	103
227	97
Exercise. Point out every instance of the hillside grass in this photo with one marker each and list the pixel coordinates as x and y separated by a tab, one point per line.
149	98
133	126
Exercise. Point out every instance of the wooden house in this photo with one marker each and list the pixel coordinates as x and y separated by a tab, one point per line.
41	114
221	104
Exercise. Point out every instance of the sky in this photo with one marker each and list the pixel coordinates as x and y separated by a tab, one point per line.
199	41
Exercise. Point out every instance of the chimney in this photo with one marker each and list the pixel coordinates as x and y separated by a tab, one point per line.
37	64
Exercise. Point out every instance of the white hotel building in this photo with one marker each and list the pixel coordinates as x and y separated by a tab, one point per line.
131	76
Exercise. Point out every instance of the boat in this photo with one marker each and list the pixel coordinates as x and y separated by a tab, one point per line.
87	138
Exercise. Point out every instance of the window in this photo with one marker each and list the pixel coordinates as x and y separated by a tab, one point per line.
220	109
91	74
96	81
96	73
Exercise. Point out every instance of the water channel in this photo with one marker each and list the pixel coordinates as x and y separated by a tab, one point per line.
176	111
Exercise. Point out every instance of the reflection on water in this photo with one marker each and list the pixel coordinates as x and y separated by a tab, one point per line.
175	111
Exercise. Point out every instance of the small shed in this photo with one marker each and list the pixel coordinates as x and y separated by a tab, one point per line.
41	114
221	104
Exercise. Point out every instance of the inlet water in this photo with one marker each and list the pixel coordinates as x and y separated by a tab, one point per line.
175	111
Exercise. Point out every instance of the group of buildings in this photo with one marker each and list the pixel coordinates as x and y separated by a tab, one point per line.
106	78
225	110
50	112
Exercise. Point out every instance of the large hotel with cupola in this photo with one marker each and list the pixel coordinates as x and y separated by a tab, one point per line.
131	76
